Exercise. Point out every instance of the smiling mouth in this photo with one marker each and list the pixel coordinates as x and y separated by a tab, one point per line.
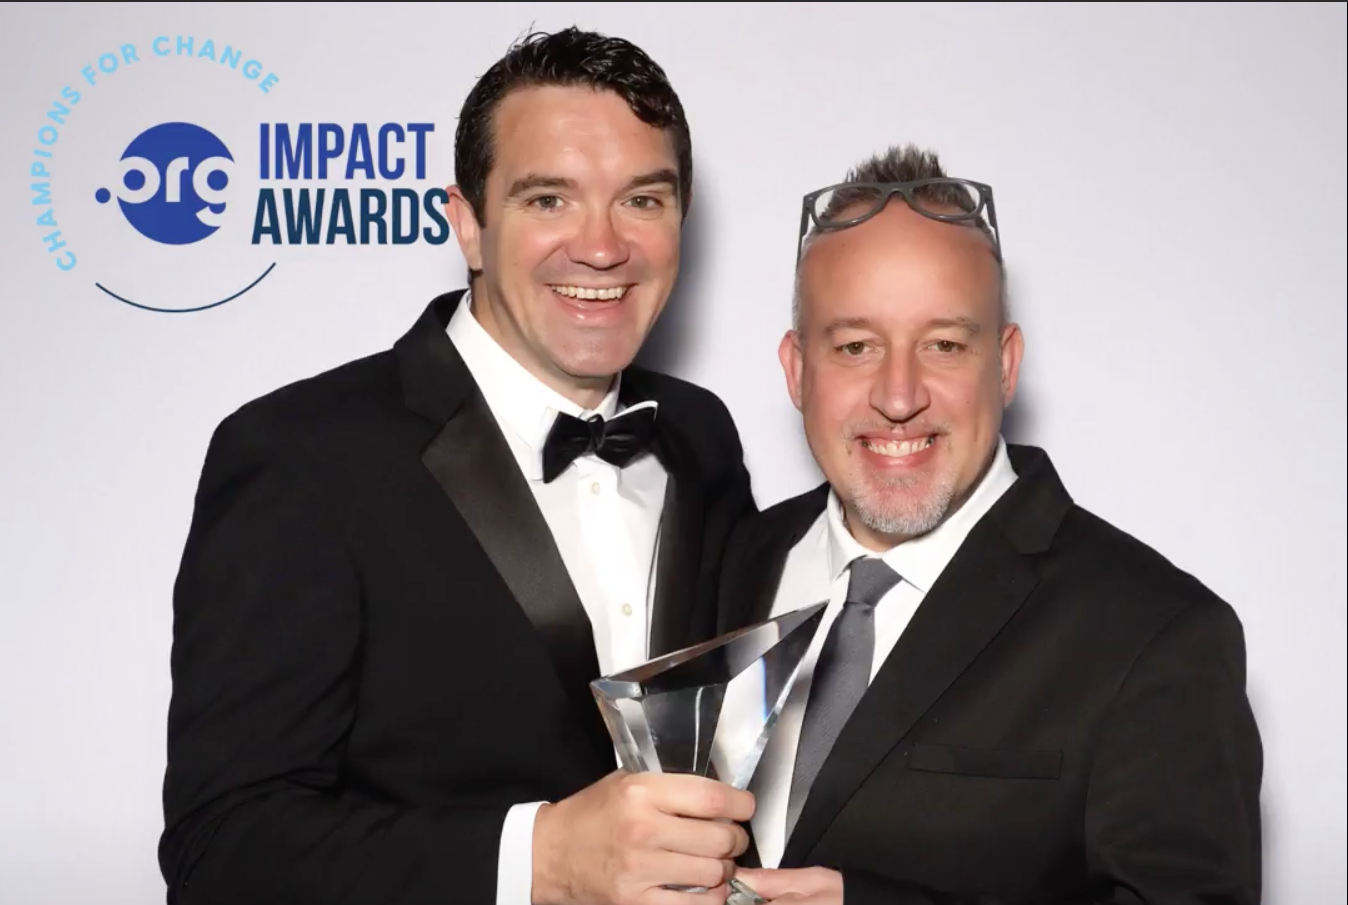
897	449
590	293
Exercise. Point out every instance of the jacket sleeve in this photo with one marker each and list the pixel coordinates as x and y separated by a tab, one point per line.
265	665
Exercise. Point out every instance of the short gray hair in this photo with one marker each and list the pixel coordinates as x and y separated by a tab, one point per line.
907	163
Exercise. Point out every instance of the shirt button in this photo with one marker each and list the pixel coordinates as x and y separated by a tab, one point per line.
594	488
627	609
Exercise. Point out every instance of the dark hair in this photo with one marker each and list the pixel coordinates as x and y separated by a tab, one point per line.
567	58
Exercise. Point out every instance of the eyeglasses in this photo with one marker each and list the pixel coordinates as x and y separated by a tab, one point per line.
947	200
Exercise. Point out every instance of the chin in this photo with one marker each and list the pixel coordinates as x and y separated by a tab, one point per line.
595	367
597	351
902	521
904	507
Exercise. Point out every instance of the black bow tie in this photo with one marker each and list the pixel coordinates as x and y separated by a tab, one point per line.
617	442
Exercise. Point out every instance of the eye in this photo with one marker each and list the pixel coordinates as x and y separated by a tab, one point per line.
856	347
546	202
947	346
646	203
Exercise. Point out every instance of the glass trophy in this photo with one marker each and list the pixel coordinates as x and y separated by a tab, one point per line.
711	708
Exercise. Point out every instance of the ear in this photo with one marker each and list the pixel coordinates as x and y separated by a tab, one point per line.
466	228
793	365
1013	348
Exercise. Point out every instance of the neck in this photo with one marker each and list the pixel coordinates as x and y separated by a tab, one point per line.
586	392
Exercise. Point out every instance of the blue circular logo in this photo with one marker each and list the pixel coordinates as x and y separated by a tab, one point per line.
172	183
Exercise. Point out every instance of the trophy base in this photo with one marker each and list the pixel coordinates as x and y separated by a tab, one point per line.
743	895
739	893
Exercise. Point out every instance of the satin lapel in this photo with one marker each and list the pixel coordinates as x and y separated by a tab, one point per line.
475	467
980	590
762	562
678	568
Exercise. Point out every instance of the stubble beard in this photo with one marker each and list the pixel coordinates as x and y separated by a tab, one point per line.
901	507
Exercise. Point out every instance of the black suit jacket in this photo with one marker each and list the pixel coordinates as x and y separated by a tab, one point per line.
1064	722
374	650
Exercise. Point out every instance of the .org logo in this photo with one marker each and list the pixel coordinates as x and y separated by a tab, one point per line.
172	183
210	208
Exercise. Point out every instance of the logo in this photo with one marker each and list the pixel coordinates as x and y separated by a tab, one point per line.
171	184
329	152
182	193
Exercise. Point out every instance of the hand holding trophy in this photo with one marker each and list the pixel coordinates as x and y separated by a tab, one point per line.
709	710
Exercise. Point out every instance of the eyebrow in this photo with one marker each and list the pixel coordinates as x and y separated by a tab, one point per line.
847	323
968	324
664	176
539	181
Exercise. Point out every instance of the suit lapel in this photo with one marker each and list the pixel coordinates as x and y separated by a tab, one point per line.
980	590
760	567
973	599
679	553
678	565
472	463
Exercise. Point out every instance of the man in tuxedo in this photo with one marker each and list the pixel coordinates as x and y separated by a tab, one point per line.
1009	700
401	575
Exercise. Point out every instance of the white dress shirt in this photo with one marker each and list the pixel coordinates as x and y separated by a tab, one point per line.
816	570
604	520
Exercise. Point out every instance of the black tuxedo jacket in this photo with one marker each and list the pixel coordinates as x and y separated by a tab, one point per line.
1064	722
375	648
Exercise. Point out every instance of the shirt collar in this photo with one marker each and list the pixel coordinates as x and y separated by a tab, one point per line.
524	404
921	560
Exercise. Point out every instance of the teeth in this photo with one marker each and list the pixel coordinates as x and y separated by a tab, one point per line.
584	292
897	449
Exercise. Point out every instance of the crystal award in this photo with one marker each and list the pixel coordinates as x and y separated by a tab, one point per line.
709	709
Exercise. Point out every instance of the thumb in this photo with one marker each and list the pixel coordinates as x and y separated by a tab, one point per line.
770	884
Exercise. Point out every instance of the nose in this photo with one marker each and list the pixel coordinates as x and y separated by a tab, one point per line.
899	391
599	243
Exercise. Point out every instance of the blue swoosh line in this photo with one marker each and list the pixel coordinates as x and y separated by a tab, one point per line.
188	310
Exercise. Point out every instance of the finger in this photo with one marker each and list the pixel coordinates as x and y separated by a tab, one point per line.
775	884
696	796
702	838
676	869
714	896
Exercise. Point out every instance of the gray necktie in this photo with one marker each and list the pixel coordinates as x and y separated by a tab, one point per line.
840	677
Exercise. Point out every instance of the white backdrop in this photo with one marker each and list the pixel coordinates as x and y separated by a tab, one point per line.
1171	187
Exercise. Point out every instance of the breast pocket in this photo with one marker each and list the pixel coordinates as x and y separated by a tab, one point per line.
999	763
